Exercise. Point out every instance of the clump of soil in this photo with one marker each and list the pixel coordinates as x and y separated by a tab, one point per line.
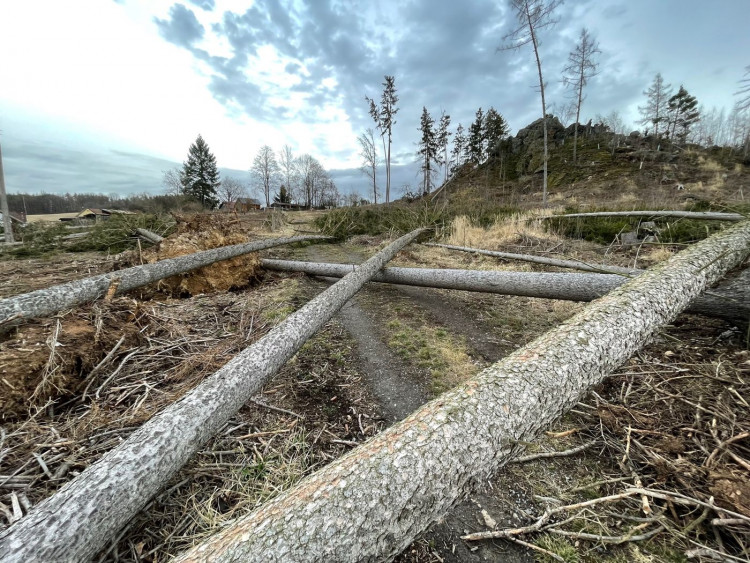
235	273
50	359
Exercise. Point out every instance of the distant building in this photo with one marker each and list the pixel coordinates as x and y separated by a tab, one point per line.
17	218
242	205
98	214
287	206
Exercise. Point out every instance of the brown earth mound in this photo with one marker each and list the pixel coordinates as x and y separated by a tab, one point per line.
203	232
49	360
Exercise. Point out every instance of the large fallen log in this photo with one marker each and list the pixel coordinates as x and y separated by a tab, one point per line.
78	520
50	300
150	236
704	215
731	303
570	264
371	503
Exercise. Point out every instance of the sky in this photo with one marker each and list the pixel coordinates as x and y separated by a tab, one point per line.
102	96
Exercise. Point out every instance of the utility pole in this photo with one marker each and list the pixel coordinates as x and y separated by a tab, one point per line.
7	226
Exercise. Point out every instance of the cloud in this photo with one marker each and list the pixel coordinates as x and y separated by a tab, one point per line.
183	28
33	167
207	5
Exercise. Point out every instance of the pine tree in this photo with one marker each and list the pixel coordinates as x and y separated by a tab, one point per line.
199	176
655	111
581	67
683	113
442	141
459	147
495	129
383	115
428	149
283	196
475	145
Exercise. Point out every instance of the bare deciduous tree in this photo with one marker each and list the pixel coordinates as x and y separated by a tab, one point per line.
580	68
265	170
533	16
171	180
231	189
368	152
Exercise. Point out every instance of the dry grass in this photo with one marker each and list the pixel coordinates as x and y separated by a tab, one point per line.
507	230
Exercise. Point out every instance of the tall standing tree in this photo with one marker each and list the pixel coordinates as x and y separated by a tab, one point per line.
495	129
284	196
369	153
287	167
683	113
442	141
428	149
534	16
475	142
459	147
200	176
383	115
266	171
656	109
581	67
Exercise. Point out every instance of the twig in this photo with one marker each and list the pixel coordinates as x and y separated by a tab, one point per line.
685	500
609	539
114	373
277	409
723	445
544	518
544	455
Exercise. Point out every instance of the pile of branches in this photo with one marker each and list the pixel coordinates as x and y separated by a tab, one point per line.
674	428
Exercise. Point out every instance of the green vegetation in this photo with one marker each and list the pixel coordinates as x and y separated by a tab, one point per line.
603	230
404	217
114	235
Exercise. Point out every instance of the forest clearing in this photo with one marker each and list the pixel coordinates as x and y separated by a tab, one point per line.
649	465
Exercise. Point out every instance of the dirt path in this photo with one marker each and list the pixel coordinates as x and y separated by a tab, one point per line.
400	392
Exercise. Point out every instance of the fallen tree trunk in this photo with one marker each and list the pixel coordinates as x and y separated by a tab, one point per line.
704	215
731	303
571	264
150	236
50	300
371	503
78	520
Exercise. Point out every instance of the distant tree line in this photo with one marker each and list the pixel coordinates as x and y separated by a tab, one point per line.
44	203
290	178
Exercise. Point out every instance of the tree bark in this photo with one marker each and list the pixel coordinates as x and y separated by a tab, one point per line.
705	215
150	236
572	264
730	301
371	503
78	520
48	301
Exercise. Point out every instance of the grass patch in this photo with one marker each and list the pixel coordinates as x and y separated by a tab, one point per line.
282	299
430	348
557	545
